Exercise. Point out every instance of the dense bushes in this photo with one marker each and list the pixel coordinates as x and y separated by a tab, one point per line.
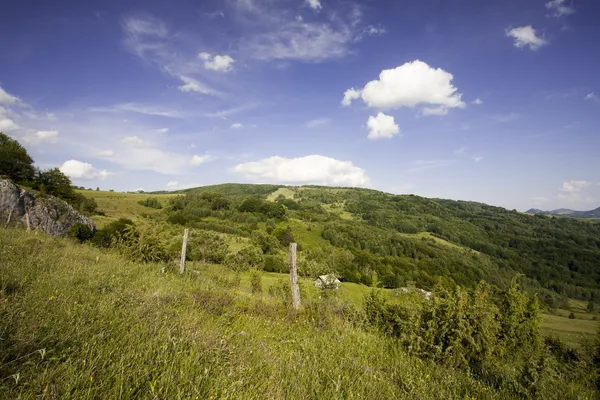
151	202
494	336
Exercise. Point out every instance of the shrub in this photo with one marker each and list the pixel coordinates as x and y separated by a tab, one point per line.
256	281
572	316
106	236
81	232
151	202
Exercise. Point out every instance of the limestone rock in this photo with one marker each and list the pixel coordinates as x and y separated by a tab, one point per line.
46	213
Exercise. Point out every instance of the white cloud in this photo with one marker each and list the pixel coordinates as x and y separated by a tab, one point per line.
349	95
477	158
409	85
382	126
439	111
133	141
314	4
105	153
477	102
137	108
526	36
317	122
421	165
460	150
7	124
46	135
193	85
82	170
574	186
197	160
592	97
315	169
217	63
370	30
559	8
162	130
236	126
7	98
175	185
280	36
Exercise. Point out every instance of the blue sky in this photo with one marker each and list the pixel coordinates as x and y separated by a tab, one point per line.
495	101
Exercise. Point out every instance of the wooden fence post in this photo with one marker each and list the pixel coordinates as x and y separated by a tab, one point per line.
183	248
294	278
27	220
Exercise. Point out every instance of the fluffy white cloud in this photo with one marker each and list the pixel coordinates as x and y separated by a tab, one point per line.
349	95
217	63
7	98
574	186
236	126
82	170
409	85
314	169
197	160
477	102
41	137
526	36
314	4
559	8
382	126
193	85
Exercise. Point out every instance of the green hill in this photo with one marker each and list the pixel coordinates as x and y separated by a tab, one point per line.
403	238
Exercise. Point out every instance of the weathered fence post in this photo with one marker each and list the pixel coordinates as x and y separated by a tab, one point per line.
183	248
294	277
27	220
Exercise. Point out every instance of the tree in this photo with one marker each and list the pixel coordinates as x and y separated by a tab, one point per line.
591	307
15	163
55	183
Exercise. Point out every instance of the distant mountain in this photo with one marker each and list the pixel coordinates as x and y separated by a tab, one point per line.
565	212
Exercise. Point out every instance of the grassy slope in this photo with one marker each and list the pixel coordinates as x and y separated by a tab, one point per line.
121	205
78	322
125	205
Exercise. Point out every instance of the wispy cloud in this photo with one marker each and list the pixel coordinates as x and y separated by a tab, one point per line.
559	8
421	165
502	118
317	122
137	108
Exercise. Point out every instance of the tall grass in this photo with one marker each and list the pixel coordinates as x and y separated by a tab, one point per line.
78	322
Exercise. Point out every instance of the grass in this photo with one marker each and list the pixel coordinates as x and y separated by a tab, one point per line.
570	331
83	323
285	192
122	205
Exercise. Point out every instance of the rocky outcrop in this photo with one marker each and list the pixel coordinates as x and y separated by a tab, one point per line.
45	213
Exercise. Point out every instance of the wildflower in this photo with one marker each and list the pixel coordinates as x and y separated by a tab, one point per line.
91	378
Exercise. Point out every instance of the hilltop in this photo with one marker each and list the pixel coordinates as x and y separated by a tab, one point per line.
565	212
399	238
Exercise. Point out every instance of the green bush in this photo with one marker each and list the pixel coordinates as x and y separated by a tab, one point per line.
81	232
107	236
256	281
151	202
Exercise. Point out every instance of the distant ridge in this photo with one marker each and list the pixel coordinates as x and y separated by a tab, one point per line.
565	212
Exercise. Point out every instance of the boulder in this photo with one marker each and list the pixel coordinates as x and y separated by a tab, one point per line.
45	213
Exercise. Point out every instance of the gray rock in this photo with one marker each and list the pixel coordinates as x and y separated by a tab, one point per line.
46	213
